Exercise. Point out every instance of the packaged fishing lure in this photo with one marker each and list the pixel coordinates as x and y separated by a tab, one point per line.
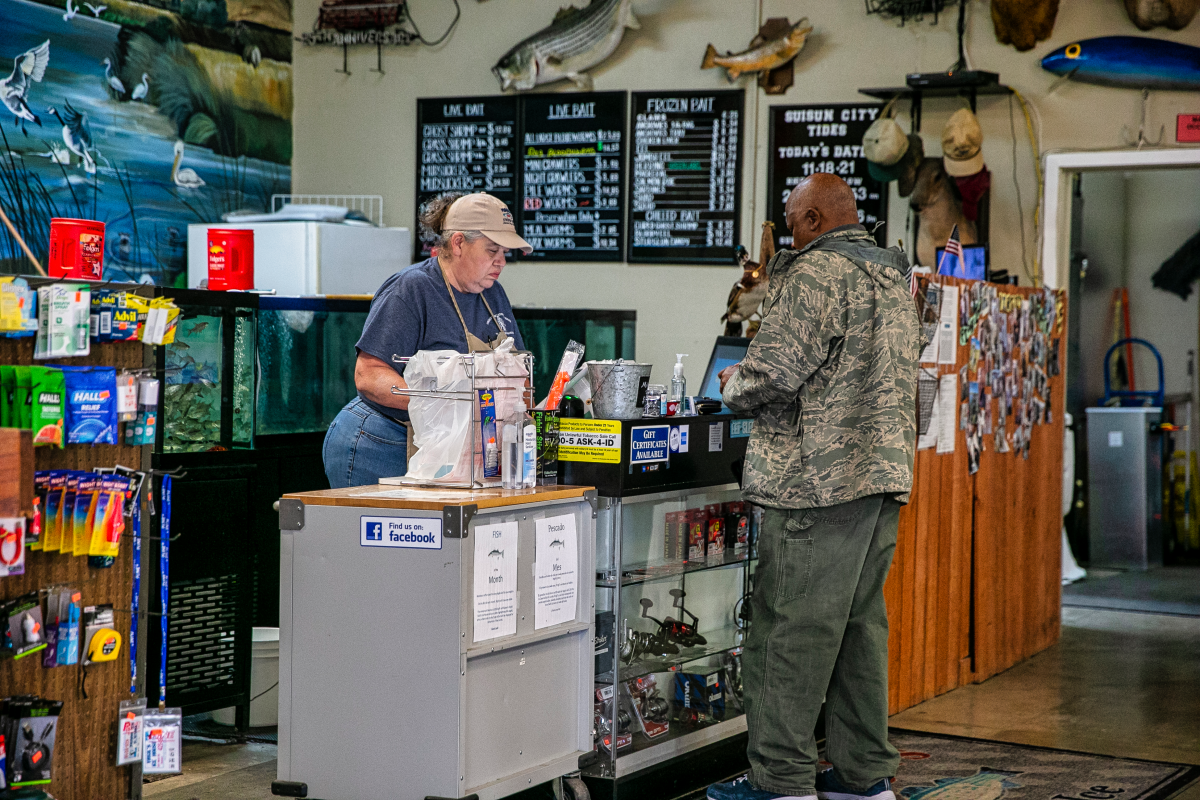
52	516
108	521
85	508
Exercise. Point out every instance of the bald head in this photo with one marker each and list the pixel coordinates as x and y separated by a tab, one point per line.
817	205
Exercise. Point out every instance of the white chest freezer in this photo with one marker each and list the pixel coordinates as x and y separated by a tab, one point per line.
306	258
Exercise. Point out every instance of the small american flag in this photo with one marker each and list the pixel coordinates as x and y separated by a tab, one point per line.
953	248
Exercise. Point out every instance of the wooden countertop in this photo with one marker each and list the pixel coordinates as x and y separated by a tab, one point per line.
433	499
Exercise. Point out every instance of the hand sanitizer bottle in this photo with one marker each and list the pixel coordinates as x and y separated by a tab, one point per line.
528	449
510	452
678	383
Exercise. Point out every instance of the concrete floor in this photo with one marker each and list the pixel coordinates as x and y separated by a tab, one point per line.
1118	683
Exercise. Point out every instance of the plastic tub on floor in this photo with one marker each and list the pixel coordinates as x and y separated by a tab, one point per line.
264	683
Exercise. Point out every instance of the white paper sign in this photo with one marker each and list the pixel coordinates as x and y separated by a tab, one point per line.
947	347
930	437
947	409
716	437
555	571
495	604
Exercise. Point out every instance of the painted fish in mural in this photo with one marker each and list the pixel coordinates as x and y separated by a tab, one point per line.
987	784
762	58
14	90
1131	62
577	40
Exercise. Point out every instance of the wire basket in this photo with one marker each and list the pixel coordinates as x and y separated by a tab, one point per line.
907	9
474	459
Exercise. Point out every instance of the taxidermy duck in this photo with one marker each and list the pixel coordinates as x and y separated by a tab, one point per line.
14	90
1023	23
185	178
577	40
761	58
76	134
748	293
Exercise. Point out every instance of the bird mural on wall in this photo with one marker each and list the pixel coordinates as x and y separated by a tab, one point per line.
751	289
185	178
71	12
96	10
28	67
76	134
113	81
139	91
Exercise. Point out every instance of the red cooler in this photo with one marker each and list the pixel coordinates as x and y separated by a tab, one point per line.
76	249
230	259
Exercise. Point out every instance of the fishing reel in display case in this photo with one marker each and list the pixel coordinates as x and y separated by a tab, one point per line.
676	630
636	644
731	662
602	711
650	707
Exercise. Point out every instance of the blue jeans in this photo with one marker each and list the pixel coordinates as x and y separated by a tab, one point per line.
363	446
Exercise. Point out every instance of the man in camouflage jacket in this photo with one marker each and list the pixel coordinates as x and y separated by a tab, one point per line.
831	378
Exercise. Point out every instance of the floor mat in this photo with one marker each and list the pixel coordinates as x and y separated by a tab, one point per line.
1168	590
951	768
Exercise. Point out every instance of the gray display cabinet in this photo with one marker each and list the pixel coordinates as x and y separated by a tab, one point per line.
386	688
639	576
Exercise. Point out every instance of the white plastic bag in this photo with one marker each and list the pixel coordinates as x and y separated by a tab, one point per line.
442	426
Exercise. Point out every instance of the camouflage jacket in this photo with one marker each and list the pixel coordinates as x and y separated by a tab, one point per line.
831	376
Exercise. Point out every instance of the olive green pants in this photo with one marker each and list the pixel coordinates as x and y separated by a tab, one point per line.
820	632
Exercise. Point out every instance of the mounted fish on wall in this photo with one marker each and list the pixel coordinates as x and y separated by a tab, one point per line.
1024	23
577	40
1149	14
1128	62
776	45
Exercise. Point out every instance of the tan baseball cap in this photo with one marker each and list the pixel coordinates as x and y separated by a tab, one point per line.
482	212
884	143
962	143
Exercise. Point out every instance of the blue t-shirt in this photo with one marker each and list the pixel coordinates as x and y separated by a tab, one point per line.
412	311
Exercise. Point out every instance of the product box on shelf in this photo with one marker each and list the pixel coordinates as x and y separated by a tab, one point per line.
699	695
737	527
696	534
714	530
675	546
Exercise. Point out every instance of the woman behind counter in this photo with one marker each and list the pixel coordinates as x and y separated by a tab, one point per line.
449	302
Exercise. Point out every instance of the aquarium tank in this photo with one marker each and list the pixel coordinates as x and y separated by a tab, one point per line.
193	369
305	361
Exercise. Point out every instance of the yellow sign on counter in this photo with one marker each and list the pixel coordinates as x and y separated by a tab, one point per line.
594	440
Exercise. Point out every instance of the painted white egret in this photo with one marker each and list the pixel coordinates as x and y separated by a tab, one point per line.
185	178
27	67
139	91
71	12
95	9
113	80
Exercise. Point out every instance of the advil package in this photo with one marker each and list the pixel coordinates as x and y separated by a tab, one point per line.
91	405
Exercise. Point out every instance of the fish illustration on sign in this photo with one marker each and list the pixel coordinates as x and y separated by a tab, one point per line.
577	40
1129	62
987	784
558	543
762	57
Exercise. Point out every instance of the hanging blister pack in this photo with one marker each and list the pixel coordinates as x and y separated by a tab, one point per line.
130	727
162	735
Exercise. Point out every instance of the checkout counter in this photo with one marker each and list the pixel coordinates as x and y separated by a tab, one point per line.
405	671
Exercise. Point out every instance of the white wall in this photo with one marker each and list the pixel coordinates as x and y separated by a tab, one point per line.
1133	221
356	134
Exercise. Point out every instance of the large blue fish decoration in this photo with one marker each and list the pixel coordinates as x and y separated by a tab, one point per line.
1130	62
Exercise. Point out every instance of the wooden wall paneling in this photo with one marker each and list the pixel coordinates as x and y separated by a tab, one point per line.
84	754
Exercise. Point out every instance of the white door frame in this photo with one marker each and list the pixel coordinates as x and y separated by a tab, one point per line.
1056	197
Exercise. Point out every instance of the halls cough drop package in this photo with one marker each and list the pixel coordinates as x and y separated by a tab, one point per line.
91	416
48	388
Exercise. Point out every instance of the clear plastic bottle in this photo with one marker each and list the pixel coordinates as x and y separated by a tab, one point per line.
528	449
678	383
510	453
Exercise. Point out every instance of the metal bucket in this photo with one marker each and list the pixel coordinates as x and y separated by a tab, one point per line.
618	388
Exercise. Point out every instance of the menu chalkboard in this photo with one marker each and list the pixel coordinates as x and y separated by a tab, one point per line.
572	159
686	184
465	144
823	138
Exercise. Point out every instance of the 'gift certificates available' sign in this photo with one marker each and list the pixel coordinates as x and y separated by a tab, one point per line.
650	444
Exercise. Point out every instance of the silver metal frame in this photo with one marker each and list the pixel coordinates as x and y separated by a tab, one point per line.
473	481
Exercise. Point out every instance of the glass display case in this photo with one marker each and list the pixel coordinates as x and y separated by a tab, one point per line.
675	551
605	334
